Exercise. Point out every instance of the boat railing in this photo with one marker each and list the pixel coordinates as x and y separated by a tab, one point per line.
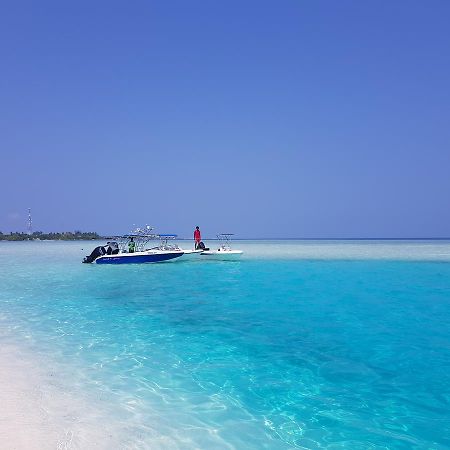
165	243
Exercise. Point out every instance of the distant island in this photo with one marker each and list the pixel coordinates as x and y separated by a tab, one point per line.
40	236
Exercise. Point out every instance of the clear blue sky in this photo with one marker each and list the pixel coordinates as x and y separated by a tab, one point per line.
263	118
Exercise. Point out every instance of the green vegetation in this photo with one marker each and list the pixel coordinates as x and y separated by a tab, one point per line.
39	235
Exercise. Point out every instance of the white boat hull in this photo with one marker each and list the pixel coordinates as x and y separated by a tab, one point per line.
223	255
191	254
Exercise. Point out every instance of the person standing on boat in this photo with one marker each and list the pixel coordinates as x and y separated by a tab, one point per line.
197	238
131	246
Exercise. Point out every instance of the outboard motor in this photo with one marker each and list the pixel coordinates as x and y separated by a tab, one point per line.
114	248
202	246
98	251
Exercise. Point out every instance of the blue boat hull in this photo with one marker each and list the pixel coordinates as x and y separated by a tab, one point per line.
137	259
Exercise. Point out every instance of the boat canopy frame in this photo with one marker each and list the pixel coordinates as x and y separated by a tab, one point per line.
225	240
140	236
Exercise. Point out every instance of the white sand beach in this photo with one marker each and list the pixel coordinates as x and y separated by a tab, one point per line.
37	414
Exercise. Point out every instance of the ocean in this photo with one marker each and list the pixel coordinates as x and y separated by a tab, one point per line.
300	344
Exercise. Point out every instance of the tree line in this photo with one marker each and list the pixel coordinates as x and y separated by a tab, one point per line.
39	235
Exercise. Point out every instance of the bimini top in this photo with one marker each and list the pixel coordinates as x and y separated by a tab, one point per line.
225	238
142	235
167	236
128	236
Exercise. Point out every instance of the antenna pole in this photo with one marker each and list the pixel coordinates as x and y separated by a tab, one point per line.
30	223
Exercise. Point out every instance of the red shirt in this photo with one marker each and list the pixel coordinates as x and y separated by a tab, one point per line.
197	235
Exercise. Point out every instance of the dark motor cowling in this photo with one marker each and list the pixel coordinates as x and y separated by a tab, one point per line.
98	251
111	248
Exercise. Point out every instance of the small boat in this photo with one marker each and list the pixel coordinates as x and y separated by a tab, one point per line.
167	245
132	249
224	252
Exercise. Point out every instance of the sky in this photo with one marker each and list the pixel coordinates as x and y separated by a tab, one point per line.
293	118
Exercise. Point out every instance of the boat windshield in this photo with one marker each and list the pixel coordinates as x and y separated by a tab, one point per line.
166	242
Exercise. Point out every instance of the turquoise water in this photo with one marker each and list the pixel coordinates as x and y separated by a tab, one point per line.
298	345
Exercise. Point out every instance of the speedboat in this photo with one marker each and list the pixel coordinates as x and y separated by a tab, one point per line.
224	252
132	249
166	244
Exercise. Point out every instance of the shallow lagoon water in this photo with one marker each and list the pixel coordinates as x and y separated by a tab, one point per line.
301	344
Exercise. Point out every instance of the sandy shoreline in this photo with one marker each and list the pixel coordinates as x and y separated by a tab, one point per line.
25	422
38	414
